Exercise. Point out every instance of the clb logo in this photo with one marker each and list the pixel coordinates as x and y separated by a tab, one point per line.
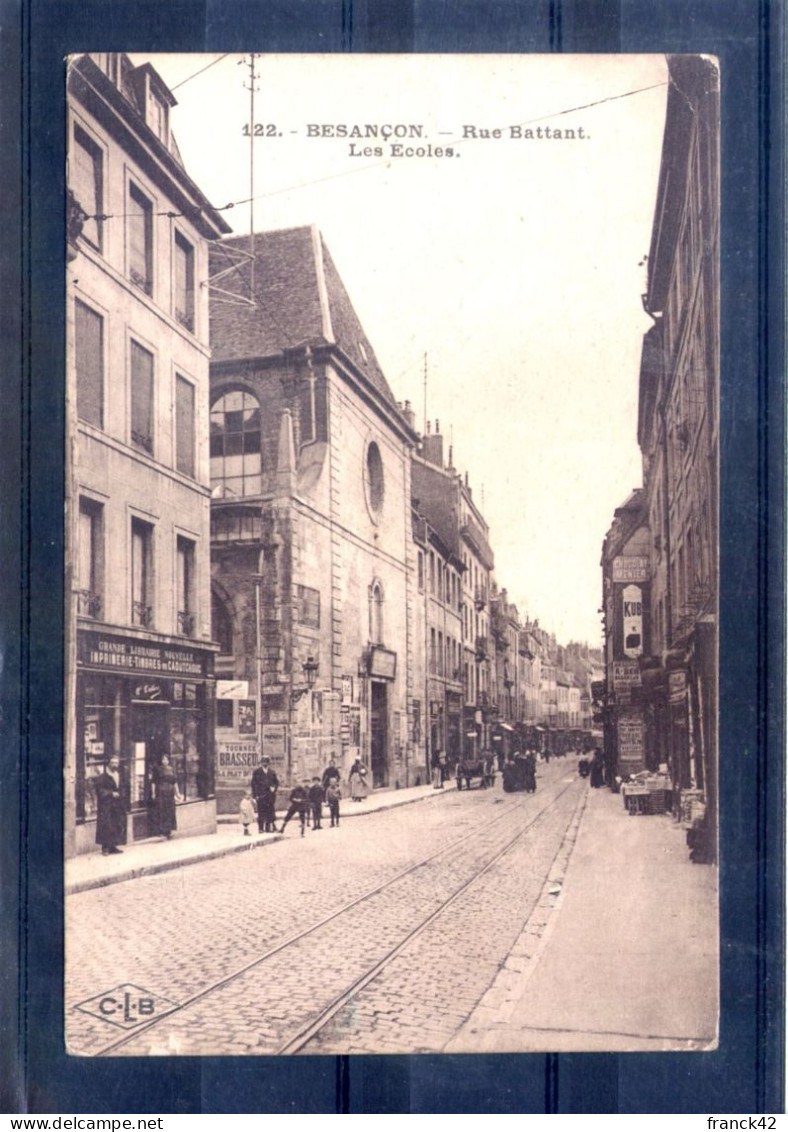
126	1006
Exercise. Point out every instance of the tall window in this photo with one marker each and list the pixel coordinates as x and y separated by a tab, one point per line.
141	398
184	584
376	614
86	175
221	626
421	570
141	573
140	239
89	364
235	445
184	425
90	559
184	282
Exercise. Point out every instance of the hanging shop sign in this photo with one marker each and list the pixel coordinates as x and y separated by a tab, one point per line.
382	663
632	598
232	689
677	686
630	568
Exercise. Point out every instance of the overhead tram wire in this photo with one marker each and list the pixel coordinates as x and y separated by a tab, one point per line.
201	71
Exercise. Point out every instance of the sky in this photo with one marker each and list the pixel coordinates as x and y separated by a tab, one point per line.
516	264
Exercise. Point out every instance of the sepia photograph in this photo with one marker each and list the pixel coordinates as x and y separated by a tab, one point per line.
391	514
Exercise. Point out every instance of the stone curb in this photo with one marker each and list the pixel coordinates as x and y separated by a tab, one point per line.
150	869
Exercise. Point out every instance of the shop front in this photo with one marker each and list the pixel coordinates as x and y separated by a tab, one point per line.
140	699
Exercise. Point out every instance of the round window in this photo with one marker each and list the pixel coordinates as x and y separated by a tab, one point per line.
374	478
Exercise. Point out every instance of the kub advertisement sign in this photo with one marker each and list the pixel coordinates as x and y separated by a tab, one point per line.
632	597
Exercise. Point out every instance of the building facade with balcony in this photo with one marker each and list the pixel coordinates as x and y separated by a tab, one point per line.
314	571
140	681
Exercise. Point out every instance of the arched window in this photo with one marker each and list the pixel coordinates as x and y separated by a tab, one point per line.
376	613
235	445
221	626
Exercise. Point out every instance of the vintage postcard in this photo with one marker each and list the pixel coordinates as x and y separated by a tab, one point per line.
392	554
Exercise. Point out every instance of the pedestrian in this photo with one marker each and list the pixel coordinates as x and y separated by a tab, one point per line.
333	794
597	774
529	772
164	795
246	812
358	781
264	787
330	773
437	770
111	810
299	801
317	796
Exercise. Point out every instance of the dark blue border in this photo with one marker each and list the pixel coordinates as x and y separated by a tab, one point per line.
746	1074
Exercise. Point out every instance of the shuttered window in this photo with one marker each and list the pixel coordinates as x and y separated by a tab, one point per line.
86	180
184	426
141	398
89	364
184	282
140	239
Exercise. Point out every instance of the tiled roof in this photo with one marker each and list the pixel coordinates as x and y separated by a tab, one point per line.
292	267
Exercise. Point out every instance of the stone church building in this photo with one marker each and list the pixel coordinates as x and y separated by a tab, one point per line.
311	542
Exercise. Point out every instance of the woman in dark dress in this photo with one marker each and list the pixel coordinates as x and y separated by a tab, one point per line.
165	795
597	776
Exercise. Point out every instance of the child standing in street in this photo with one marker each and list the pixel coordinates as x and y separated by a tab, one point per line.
299	800
333	794
246	813
316	799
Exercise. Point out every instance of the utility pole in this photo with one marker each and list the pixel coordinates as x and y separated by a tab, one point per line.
425	393
251	85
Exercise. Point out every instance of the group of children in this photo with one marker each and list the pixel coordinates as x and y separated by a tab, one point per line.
306	802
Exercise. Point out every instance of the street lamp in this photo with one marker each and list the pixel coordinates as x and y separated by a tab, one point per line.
311	668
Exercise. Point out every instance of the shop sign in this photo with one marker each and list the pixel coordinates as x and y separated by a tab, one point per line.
232	689
148	692
677	686
382	663
99	650
630	568
235	763
347	689
247	717
632	598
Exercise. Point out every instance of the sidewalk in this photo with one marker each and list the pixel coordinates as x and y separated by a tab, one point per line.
143	858
621	952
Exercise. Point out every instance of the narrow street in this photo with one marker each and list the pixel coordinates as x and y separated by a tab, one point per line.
379	936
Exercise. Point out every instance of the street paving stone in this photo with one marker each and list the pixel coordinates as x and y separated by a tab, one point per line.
176	934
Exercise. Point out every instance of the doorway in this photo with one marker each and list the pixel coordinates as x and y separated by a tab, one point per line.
378	733
150	739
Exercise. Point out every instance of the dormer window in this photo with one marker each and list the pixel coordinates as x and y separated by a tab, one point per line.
157	116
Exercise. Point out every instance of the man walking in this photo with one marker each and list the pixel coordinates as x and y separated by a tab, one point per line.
264	787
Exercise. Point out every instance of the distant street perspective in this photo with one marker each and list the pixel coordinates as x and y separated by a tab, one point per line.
446	941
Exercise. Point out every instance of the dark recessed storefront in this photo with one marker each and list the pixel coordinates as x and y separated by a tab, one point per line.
140	699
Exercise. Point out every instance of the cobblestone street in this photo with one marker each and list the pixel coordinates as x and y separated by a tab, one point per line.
394	925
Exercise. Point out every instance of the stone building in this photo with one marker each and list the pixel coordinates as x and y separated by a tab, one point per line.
465	536
627	625
439	578
678	433
313	571
139	657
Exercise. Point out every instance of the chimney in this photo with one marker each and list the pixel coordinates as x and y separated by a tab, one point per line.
432	446
409	415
